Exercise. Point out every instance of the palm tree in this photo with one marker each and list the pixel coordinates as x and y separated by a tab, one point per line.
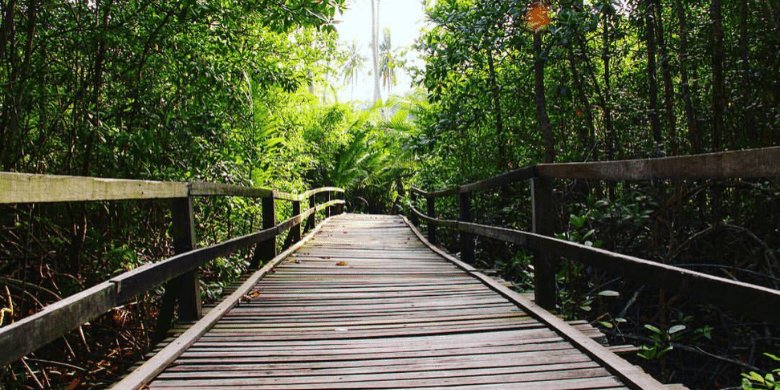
352	65
375	46
388	62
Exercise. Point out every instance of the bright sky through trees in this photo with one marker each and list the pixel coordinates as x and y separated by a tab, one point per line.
404	18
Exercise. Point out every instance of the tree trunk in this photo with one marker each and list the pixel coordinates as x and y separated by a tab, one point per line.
693	131
607	98
652	95
748	124
541	104
671	118
718	93
586	137
375	46
502	161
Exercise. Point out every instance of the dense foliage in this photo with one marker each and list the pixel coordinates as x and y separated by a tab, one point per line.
218	91
236	92
615	80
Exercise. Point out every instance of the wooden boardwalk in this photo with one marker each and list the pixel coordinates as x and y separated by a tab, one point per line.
365	304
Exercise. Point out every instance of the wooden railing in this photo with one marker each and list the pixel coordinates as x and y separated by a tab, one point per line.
179	273
751	300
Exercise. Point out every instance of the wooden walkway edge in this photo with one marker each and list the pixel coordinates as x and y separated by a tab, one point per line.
366	303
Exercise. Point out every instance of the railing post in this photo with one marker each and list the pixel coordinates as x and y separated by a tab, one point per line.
466	239
545	265
431	213
412	215
266	250
295	231
185	288
340	207
327	209
311	222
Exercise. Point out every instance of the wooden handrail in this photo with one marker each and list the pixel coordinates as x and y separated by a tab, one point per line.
749	163
753	301
219	189
55	320
748	299
35	188
764	162
32	188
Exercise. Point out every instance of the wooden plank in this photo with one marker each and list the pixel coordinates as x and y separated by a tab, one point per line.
750	300
157	364
441	193
724	165
295	231
458	263
751	163
285	196
381	373
466	239
315	191
518	382
148	276
30	333
215	189
184	240
545	265
385	319
31	188
434	221
632	375
501	180
384	381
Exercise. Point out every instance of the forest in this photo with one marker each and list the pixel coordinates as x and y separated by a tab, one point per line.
243	92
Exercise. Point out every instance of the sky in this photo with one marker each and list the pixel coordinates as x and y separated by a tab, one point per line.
404	18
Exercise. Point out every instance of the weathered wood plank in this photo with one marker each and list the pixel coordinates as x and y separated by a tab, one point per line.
315	191
750	300
383	319
55	320
157	364
220	189
30	188
501	180
149	276
724	165
435	221
545	265
534	382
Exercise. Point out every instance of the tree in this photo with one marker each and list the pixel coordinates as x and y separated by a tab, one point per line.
537	15
375	47
353	64
388	61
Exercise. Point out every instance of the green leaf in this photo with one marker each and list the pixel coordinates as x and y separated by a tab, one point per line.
609	293
653	329
676	328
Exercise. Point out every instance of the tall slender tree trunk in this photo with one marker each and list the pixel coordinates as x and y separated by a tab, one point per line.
586	136
375	47
607	96
718	93
666	73
494	89
652	83
690	118
748	124
541	103
718	97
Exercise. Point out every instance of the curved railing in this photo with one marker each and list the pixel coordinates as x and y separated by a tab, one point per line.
179	272
748	299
